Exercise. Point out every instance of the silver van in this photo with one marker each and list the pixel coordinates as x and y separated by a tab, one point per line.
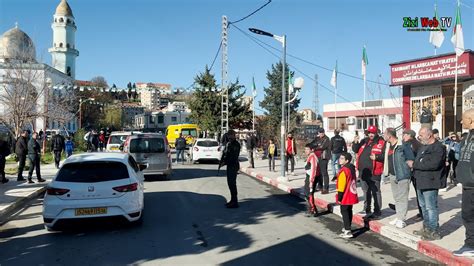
150	149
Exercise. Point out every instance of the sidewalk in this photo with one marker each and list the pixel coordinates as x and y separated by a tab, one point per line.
449	203
14	194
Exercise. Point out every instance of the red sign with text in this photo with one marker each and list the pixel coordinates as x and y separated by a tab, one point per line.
437	68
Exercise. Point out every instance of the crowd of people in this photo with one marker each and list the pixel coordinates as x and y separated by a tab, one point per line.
421	160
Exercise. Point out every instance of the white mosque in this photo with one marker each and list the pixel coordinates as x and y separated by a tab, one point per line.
16	46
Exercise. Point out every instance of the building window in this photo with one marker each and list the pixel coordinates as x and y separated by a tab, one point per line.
433	103
55	20
174	119
161	119
151	120
61	44
68	21
67	45
61	20
68	71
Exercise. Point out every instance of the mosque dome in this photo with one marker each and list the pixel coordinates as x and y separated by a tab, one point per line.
64	9
16	44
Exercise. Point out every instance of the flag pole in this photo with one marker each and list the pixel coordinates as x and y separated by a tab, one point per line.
365	116
253	114
435	49
289	97
455	101
335	102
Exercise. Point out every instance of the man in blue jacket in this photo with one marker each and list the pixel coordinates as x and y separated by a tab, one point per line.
398	159
465	176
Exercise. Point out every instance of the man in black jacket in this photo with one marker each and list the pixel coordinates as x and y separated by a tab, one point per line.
429	169
57	147
409	137
338	146
251	143
323	147
4	152
465	176
21	150
180	145
34	157
231	159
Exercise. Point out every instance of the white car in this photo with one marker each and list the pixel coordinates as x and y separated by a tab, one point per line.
206	149
95	185
117	138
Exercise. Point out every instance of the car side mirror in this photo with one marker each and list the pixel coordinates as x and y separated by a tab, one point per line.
142	167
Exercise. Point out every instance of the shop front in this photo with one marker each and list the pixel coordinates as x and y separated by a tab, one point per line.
428	90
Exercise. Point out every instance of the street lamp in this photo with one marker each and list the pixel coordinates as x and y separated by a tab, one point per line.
80	109
282	40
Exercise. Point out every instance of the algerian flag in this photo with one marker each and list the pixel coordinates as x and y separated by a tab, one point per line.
334	77
458	39
365	62
254	88
290	83
437	36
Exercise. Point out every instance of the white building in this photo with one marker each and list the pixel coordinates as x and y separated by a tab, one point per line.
153	95
16	46
351	116
308	115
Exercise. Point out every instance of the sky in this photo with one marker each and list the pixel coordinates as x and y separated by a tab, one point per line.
170	41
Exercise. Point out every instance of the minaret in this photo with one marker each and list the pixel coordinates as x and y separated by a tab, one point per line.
64	51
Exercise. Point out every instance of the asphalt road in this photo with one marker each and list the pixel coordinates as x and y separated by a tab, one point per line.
186	223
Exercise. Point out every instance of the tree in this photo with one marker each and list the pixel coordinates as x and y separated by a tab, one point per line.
112	118
240	113
272	100
205	102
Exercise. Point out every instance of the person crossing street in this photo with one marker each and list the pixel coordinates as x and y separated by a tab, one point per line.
21	150
57	147
34	157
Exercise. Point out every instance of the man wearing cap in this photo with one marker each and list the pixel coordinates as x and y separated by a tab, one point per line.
323	148
370	165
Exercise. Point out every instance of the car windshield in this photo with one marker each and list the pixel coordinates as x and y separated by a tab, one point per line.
90	172
117	139
207	143
189	132
147	145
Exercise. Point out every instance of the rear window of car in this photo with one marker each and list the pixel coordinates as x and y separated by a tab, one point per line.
147	145
90	172
207	143
117	139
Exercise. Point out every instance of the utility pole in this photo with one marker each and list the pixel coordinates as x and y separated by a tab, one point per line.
316	96
224	85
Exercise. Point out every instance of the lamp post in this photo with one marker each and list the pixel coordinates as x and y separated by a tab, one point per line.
282	40
80	109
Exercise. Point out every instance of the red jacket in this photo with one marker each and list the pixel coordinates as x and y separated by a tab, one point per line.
377	149
346	183
314	171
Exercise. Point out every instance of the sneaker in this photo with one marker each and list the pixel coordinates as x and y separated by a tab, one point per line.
41	180
444	189
346	234
420	232
325	191
393	222
464	252
20	179
431	235
400	224
365	213
392	206
30	181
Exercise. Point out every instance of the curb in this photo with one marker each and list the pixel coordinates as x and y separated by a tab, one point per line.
18	204
425	247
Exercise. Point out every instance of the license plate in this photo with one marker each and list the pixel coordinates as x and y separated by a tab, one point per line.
114	148
91	211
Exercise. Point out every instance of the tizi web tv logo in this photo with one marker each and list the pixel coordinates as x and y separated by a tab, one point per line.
427	23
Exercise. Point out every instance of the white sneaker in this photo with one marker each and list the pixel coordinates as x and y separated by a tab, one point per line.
346	234
444	189
393	222
464	252
293	173
400	224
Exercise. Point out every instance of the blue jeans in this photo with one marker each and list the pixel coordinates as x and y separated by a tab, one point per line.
335	163
428	199
178	152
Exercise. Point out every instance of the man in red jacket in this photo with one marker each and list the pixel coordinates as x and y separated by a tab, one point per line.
370	165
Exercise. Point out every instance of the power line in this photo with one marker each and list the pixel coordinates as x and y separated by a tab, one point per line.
217	54
301	72
311	63
249	15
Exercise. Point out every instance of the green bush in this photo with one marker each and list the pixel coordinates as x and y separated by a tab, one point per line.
79	142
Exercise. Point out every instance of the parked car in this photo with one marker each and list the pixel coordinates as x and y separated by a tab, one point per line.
151	149
206	149
95	185
117	138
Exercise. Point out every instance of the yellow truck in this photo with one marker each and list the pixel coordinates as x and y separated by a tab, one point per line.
190	133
